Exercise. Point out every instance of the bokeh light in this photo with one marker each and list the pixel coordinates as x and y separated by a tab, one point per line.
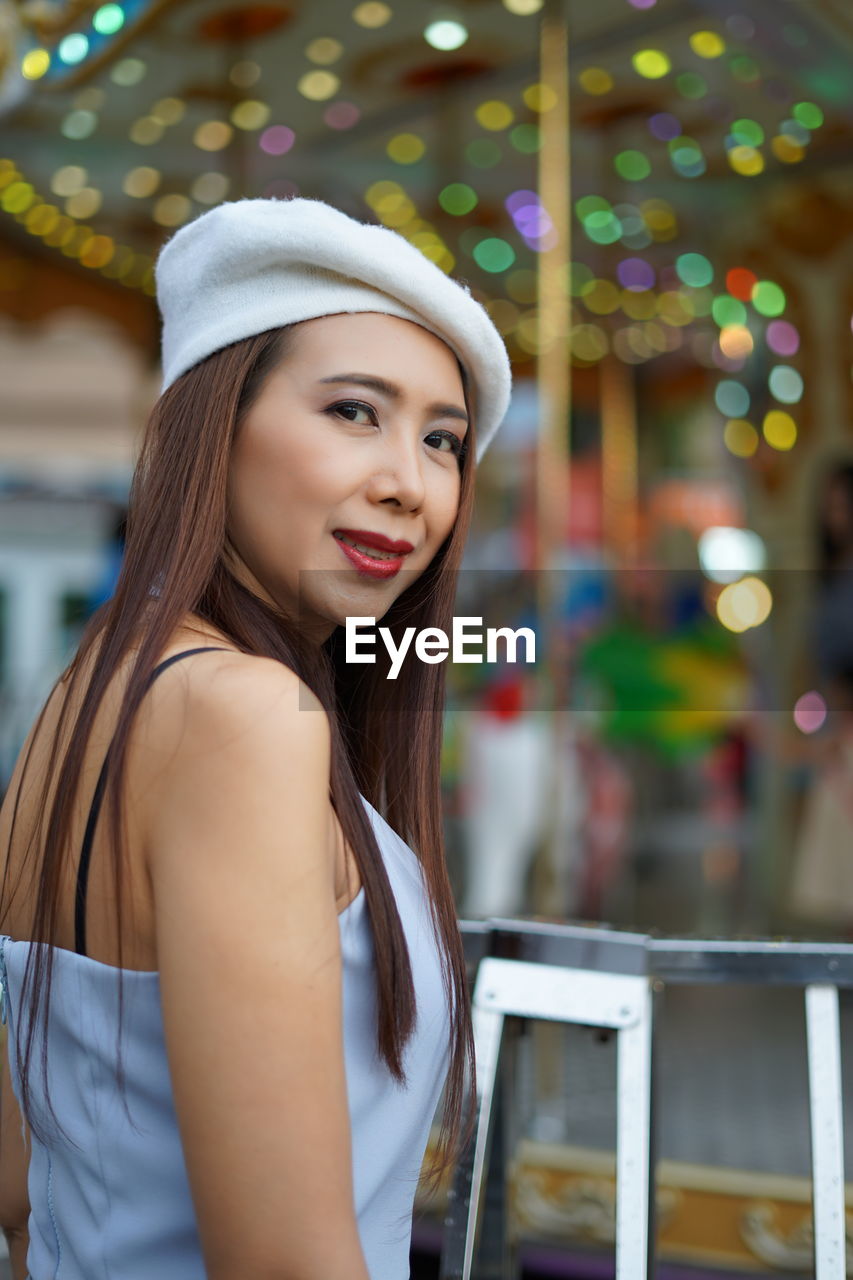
736	341
446	34
747	161
372	14
768	299
78	125
341	115
539	98
740	283
595	81
108	19
745	604
483	153
726	311
494	255
782	338
128	71
68	180
324	50
636	275
694	269
250	115
740	437
810	712
277	140
731	398
691	85
664	126
210	188
35	64
494	115
457	198
213	135
633	166
786	384
707	44
808	114
780	430
317	86
406	148
73	49
523	8
652	64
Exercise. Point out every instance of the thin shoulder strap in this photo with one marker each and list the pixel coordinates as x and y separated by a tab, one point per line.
94	810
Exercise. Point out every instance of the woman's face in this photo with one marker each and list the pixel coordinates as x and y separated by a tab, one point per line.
355	435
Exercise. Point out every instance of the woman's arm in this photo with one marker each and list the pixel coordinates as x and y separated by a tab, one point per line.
240	854
14	1165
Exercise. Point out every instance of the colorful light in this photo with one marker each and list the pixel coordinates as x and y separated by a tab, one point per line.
768	299
108	19
727	553
494	115
664	126
523	8
317	86
780	430
68	180
494	255
372	14
633	166
707	44
35	64
78	125
73	49
728	311
747	133
746	161
808	114
810	712
652	64
172	210
539	98
128	72
213	135
694	269
526	138
732	398
745	604
782	338
595	81
691	85
406	148
457	198
736	341
686	157
446	35
169	110
277	140
636	275
244	74
744	69
786	384
740	283
740	437
324	50
210	188
250	115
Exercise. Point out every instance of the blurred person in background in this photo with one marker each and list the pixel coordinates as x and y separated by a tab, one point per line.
224	1060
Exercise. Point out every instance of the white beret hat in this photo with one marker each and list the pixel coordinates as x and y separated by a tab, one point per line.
246	266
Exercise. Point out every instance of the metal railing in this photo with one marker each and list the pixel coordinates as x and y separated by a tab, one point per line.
599	977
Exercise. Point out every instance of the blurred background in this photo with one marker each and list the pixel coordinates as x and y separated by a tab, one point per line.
654	201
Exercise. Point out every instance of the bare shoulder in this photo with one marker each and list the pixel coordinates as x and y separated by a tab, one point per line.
226	720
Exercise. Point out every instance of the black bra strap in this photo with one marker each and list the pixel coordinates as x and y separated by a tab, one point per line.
86	850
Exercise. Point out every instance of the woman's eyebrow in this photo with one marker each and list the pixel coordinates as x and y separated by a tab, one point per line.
393	392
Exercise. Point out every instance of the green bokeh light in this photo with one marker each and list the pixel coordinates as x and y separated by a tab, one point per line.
728	310
591	204
526	138
768	300
633	166
108	19
744	69
458	198
808	114
694	269
603	227
494	255
747	133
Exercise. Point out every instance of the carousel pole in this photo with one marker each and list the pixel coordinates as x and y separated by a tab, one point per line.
553	373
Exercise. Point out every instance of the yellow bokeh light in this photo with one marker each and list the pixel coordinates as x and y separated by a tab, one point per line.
35	64
68	180
660	219
740	437
172	210
540	97
84	203
651	63
595	80
168	110
780	430
675	307
210	188
41	220
250	114
405	148
141	182
707	44
745	604
639	304
58	234
786	149
76	241
324	50
244	74
588	343
146	131
523	8
602	297
18	197
213	135
379	190
372	14
494	115
319	85
98	252
736	341
746	160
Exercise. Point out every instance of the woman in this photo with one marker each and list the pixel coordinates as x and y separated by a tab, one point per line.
250	991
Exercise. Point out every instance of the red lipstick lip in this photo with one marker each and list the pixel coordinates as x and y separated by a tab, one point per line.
377	540
368	566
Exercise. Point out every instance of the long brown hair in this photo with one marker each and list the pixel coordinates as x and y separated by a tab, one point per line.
385	734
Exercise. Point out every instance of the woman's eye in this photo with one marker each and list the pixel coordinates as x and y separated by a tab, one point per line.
454	444
346	408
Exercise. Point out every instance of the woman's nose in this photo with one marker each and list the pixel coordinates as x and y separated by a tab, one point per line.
399	475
